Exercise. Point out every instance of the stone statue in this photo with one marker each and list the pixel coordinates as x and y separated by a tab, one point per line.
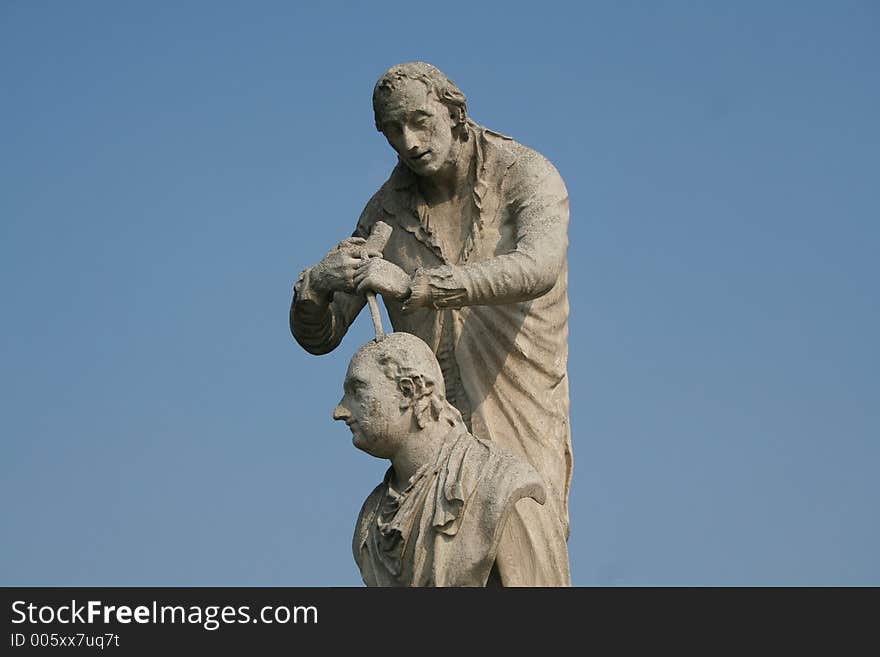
443	514
475	266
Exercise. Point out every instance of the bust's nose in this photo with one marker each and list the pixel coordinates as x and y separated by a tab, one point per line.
341	412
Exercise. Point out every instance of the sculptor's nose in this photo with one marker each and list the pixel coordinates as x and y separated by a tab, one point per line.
410	141
341	412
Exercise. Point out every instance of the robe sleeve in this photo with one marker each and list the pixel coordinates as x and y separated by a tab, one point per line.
318	323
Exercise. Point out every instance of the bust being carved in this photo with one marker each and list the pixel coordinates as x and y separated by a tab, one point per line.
443	515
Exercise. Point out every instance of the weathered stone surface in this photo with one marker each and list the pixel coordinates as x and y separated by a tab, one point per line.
443	515
475	266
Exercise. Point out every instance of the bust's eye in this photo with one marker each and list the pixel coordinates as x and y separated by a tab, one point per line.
420	121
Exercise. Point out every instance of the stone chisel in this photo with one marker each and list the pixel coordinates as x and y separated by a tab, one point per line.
376	242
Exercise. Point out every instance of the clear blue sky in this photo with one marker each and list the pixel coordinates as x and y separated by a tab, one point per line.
168	169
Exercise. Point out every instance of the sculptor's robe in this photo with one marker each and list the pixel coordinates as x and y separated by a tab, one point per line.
455	520
497	304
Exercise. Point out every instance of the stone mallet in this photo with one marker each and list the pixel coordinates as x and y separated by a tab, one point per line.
376	242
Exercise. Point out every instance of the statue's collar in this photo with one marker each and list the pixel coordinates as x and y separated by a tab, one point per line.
402	177
411	209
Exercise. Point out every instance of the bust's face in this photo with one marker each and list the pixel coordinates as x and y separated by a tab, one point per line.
418	127
371	407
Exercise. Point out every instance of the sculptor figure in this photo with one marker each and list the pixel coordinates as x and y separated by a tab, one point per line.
443	514
475	266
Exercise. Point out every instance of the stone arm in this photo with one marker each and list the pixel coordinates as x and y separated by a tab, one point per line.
318	320
317	324
539	206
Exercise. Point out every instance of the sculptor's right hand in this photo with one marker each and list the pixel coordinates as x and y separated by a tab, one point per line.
336	272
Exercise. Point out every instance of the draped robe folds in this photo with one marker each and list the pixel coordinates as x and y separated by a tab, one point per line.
454	522
494	308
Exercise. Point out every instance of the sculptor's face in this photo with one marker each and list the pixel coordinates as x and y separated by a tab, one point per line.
418	127
371	409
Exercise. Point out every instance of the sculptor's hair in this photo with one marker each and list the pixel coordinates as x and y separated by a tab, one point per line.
444	90
409	362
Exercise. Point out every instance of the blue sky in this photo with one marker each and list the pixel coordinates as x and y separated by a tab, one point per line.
168	169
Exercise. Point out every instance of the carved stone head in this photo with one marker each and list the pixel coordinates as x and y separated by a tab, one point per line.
422	114
393	389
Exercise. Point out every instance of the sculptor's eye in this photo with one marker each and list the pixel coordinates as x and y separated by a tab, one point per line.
420	119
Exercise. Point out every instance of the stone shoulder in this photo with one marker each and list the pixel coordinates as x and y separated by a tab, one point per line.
528	171
373	210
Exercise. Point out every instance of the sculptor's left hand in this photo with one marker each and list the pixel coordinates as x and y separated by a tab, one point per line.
383	277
